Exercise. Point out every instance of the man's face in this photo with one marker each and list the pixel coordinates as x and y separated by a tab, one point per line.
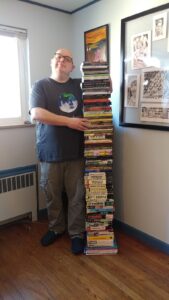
62	62
159	26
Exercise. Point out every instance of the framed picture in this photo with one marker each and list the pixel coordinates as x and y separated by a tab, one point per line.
96	42
159	26
141	50
155	85
154	112
132	90
145	70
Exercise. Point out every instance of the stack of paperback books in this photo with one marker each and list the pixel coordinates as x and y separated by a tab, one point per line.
96	87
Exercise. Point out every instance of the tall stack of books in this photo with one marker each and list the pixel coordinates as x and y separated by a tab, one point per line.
96	87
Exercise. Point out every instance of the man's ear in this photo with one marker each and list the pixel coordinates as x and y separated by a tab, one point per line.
73	67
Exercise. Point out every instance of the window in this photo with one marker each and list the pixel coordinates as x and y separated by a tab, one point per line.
14	79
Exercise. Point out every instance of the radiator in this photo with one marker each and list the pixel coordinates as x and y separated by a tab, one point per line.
18	194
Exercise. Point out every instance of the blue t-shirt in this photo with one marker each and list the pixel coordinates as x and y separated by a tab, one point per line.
58	143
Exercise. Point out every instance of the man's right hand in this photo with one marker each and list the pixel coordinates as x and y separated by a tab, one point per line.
44	116
78	123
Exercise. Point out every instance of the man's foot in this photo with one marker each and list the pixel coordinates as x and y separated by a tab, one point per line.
78	244
50	237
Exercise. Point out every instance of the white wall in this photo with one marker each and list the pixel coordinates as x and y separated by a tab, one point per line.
47	30
141	165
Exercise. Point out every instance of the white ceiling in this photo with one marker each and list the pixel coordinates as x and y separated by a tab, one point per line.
65	5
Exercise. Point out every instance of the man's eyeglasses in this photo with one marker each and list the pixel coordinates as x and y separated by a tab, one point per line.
66	58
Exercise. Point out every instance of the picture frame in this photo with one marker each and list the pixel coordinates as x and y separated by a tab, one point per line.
159	26
155	85
132	90
150	108
141	49
154	113
96	44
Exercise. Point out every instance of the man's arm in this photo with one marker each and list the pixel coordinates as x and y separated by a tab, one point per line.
44	116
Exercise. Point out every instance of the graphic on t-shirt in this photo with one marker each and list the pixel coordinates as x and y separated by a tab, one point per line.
67	102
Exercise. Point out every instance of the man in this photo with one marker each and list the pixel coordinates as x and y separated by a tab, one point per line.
56	106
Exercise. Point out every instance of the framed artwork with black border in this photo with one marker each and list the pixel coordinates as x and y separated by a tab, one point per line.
144	61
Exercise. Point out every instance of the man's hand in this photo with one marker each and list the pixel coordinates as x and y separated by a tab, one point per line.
46	117
78	123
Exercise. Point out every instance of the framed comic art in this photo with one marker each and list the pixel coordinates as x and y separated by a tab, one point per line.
145	69
159	26
96	43
140	49
132	90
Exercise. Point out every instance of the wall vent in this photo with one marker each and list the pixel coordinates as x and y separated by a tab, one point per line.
16	182
18	193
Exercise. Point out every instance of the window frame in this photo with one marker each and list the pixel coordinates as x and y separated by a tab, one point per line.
24	75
